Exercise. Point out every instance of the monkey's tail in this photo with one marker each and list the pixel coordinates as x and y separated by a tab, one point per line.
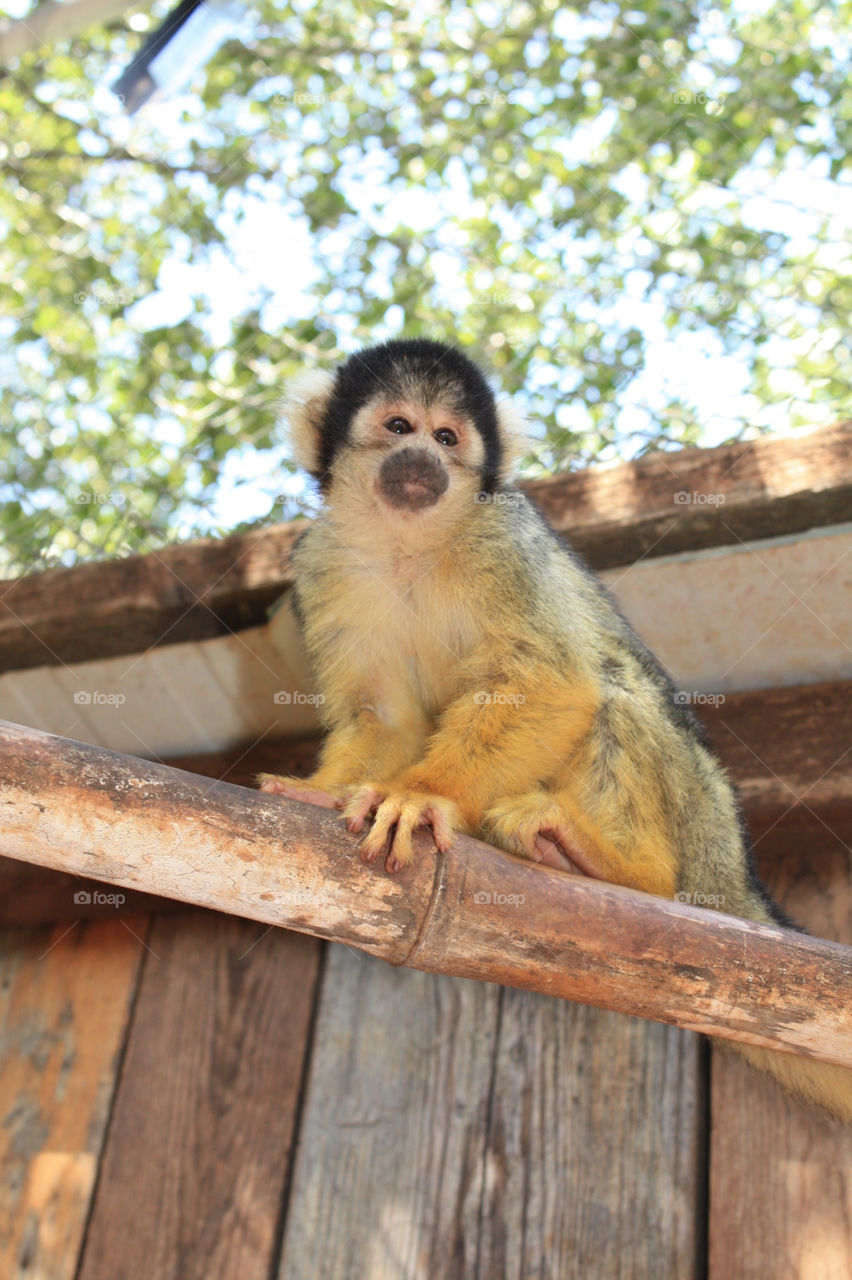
822	1084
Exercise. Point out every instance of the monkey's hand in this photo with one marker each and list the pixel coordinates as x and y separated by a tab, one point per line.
299	789
398	814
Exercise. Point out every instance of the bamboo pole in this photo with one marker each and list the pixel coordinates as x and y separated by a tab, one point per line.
474	913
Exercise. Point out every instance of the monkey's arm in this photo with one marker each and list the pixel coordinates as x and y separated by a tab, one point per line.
495	739
363	745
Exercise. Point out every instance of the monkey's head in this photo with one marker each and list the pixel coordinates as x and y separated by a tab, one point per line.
410	429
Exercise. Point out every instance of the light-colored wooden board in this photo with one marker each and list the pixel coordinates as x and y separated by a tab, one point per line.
172	699
65	995
595	1156
453	1130
388	1179
750	616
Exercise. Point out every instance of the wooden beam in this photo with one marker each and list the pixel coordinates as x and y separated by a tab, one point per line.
33	895
474	913
789	751
670	502
613	515
188	592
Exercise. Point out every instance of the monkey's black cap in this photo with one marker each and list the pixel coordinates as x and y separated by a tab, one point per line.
414	369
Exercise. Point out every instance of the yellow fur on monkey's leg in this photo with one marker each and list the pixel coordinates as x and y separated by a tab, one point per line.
527	824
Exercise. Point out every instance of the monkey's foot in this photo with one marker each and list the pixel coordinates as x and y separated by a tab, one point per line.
398	815
534	826
298	789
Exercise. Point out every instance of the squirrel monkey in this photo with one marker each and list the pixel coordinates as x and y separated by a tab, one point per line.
477	676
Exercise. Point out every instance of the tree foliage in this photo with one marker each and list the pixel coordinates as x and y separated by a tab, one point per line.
580	195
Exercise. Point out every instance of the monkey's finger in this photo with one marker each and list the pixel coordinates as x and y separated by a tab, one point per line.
401	852
442	829
359	806
374	841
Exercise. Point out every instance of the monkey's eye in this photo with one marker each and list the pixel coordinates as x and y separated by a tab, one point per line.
399	426
446	436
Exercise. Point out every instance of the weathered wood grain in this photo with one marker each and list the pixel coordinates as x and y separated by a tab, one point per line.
65	996
474	912
31	895
613	515
197	1158
781	1175
595	1155
388	1179
455	1130
781	1184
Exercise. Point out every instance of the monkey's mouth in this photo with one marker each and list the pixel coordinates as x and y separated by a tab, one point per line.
411	479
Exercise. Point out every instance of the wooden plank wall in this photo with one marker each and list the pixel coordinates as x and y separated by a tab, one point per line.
781	1177
455	1129
450	1128
155	1146
203	1100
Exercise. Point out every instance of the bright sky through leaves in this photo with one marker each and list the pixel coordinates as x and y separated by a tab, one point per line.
640	219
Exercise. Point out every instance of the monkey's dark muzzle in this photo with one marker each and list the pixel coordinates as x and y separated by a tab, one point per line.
412	479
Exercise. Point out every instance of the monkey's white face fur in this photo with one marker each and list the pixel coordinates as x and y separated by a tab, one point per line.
408	473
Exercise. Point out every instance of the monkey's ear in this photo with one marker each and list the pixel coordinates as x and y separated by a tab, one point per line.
303	408
515	439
